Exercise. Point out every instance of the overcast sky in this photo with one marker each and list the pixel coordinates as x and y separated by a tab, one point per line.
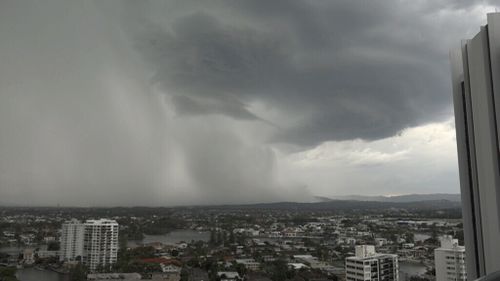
111	103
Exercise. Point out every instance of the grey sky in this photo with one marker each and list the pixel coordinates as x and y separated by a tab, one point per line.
200	102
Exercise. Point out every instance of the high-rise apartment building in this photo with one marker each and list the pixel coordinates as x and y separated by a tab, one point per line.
367	265
95	241
476	97
71	241
450	260
100	243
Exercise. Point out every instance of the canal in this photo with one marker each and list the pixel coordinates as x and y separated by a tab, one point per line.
32	274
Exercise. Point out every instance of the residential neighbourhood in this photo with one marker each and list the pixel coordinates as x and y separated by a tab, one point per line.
230	244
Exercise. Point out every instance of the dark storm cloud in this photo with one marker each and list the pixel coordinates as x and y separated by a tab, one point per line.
209	66
350	69
199	102
192	106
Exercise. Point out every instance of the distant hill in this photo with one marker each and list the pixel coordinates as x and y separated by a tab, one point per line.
395	199
346	205
411	201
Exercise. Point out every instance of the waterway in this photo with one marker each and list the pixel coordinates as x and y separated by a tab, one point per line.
11	250
173	237
32	274
421	237
406	270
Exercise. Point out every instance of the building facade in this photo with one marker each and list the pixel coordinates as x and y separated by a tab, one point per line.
71	241
100	244
476	97
367	265
450	260
94	243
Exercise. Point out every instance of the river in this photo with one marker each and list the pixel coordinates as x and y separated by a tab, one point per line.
173	237
11	250
421	237
406	270
31	274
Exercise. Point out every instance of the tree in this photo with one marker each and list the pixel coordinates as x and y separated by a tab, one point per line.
219	238
53	246
432	241
100	268
458	234
212	237
418	278
8	273
184	275
122	241
322	253
333	277
240	238
194	262
241	269
410	237
78	273
434	231
279	270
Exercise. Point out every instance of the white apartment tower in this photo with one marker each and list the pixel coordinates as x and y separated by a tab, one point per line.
367	265
71	241
450	260
95	242
100	243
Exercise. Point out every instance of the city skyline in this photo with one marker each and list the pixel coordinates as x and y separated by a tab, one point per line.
182	102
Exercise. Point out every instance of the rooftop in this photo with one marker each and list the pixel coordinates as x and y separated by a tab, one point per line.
101	221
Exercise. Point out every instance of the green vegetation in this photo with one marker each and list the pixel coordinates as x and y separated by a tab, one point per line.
418	278
279	271
53	246
184	275
130	261
163	225
241	269
78	273
135	230
8	274
409	237
231	237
